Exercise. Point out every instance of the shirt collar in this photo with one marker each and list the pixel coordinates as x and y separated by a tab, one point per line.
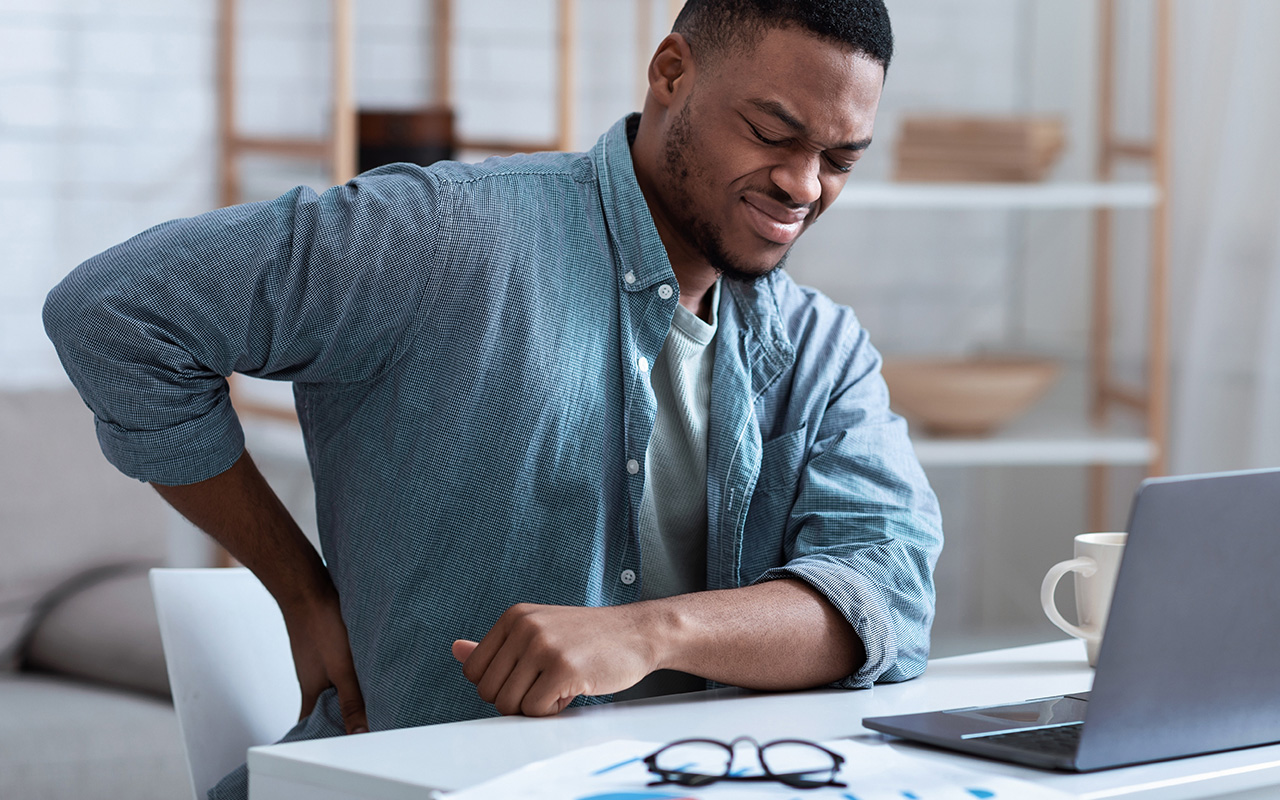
756	307
642	258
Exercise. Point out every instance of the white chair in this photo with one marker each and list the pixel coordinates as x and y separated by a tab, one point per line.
230	667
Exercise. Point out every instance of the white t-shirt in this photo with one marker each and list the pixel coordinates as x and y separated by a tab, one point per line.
673	511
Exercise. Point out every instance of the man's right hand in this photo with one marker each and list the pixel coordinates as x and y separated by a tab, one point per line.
322	658
239	510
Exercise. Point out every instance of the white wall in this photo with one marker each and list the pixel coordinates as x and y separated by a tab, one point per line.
105	128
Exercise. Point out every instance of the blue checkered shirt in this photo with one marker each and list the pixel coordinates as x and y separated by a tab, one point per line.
463	342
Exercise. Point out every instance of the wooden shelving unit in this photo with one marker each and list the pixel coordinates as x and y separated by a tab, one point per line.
1079	424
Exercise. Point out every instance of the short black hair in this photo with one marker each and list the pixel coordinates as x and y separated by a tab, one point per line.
713	26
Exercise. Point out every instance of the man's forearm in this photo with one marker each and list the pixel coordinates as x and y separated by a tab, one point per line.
241	512
775	636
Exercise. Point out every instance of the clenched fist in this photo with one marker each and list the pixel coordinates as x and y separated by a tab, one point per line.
537	658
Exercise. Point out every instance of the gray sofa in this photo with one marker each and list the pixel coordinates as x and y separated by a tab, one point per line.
82	680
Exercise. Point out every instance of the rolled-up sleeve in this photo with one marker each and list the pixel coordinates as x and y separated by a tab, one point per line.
308	288
865	528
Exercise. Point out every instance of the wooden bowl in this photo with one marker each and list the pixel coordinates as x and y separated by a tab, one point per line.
966	396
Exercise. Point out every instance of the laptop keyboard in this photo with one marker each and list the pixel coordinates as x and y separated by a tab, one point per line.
1062	740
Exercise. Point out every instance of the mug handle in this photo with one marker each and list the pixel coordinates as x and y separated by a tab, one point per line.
1085	566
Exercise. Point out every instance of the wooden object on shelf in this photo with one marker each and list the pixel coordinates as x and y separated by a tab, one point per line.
967	396
1055	431
977	148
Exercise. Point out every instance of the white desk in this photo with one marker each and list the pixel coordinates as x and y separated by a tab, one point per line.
397	765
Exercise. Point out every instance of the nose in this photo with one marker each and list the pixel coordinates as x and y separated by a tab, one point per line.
798	176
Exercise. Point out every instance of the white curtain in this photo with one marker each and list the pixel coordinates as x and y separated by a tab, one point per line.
1226	236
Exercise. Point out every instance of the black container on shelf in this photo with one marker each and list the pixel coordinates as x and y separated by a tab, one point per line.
419	136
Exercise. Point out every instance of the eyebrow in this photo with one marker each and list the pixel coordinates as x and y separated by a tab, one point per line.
778	110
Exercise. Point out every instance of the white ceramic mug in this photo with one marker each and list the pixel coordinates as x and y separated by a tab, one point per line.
1096	564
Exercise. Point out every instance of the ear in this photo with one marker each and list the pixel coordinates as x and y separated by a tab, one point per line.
671	70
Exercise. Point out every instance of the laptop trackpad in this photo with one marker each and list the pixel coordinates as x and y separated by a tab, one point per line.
1050	711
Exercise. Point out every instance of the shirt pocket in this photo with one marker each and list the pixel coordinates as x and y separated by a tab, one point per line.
781	459
764	543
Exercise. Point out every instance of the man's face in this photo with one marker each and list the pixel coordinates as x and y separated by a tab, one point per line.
763	144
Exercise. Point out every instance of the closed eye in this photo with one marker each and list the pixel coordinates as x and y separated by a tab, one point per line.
839	167
835	164
765	139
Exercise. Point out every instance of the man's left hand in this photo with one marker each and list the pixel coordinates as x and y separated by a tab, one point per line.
537	658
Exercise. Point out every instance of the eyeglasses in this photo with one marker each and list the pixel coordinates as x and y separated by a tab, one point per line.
700	762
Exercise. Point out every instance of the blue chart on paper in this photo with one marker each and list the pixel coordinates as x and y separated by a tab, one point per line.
637	796
979	794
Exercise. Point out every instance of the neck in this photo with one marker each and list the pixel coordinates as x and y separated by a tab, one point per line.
696	292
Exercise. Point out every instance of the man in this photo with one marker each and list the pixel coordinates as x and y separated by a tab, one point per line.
549	441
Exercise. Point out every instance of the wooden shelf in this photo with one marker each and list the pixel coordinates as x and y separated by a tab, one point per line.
298	148
1063	447
998	195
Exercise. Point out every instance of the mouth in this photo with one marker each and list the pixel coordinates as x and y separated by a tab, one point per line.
774	221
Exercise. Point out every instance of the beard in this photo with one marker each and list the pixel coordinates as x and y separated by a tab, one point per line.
703	234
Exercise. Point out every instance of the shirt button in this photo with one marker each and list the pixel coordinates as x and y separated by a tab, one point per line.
628	577
642	364
665	291
633	466
630	278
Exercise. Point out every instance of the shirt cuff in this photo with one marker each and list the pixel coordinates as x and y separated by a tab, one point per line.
188	452
862	604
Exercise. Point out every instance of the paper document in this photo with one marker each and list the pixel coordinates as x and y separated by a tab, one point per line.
873	771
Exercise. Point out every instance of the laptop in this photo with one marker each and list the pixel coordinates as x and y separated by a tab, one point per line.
1188	664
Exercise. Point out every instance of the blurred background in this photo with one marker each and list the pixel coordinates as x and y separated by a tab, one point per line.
1065	239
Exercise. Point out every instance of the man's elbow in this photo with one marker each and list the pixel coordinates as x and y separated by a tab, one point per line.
78	300
79	321
66	315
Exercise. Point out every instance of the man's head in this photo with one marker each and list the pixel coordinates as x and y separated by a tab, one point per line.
756	111
716	27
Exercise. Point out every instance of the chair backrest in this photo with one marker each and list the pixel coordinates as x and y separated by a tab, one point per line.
230	667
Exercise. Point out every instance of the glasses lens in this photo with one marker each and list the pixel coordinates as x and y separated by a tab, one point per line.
804	762
695	758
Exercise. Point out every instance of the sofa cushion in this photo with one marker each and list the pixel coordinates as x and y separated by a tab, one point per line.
63	508
60	738
103	629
